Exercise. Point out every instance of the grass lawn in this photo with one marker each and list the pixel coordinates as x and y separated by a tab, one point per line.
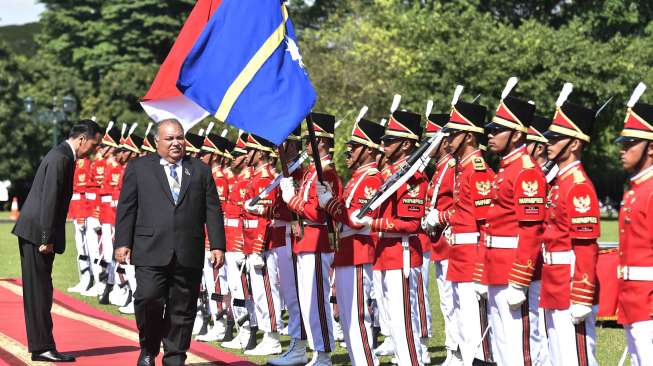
610	340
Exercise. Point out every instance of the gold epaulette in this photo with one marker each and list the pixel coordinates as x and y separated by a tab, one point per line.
579	177
526	162
479	163
451	163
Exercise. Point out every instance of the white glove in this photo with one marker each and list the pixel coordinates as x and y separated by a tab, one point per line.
579	312
423	223
239	258
287	189
255	209
481	290
433	218
366	221
515	296
324	194
256	261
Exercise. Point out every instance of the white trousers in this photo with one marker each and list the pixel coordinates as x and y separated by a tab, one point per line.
516	334
241	303
354	286
265	292
470	313
215	284
380	313
446	303
286	262
639	336
423	303
93	229
83	260
569	343
313	285
400	297
106	255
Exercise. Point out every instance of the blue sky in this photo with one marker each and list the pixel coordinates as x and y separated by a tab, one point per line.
19	11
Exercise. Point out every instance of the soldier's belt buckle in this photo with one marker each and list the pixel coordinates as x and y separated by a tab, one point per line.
622	272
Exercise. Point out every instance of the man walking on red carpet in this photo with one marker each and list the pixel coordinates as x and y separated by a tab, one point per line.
166	201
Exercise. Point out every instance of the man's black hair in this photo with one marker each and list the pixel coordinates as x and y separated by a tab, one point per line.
85	127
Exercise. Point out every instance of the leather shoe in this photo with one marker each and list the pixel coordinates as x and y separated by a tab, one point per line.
52	356
145	359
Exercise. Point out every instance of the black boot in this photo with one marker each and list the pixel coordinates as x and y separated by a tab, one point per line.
229	332
104	299
251	344
205	326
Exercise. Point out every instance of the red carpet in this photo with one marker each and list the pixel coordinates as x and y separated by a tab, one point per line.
94	337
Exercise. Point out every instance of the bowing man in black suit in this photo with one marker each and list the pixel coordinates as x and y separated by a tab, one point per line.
165	204
41	232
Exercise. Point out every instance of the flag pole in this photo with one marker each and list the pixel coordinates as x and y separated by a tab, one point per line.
281	151
317	161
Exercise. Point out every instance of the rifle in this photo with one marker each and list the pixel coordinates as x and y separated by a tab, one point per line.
416	161
275	183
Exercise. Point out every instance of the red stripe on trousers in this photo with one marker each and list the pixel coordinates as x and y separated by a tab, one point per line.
526	333
360	306
324	327
268	295
408	327
422	305
581	346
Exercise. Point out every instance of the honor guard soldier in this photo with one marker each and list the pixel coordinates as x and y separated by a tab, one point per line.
315	250
355	255
284	233
636	232
535	140
262	262
77	212
399	252
107	216
570	238
241	304
130	146
93	225
471	201
214	281
512	236
439	196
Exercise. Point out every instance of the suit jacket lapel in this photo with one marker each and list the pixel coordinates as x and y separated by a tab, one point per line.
185	180
160	174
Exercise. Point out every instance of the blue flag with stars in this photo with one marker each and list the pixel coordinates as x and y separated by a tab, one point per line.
246	70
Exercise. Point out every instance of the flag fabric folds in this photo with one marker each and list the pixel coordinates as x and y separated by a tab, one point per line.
246	69
163	100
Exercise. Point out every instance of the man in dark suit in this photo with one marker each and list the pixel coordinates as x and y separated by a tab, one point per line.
165	204
41	232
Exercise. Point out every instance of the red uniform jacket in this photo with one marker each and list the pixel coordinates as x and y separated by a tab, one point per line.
440	196
304	203
471	200
112	175
282	218
356	245
516	213
94	187
82	175
572	224
221	183
636	249
233	211
257	227
398	216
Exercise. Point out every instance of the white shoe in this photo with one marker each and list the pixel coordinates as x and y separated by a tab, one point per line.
449	361
284	330
338	334
270	345
426	357
215	333
240	340
94	291
320	359
294	355
127	309
78	288
119	296
387	348
197	325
